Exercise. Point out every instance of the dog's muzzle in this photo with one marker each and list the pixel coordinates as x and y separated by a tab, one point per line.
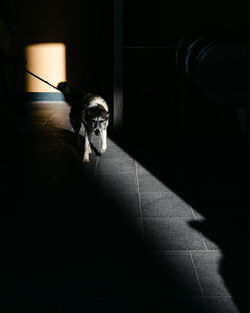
97	132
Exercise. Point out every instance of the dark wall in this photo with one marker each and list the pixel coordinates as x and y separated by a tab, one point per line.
151	75
161	20
101	47
82	25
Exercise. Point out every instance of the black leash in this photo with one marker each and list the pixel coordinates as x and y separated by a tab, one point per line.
43	80
94	149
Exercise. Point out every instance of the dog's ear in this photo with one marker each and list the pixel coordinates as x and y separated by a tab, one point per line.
107	115
88	114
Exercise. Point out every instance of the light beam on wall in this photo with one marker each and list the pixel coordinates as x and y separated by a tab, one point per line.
48	61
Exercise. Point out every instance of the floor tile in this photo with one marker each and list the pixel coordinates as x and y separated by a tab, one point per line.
168	305
210	244
117	183
98	304
115	166
221	305
164	204
149	183
207	264
89	167
177	267
136	225
110	143
114	151
171	234
142	170
199	219
130	204
197	214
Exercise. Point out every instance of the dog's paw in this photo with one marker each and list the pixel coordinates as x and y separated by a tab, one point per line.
85	160
103	150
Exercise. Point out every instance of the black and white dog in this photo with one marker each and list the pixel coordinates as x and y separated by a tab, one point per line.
91	111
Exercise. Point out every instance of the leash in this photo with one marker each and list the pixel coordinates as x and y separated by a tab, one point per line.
43	80
94	149
46	82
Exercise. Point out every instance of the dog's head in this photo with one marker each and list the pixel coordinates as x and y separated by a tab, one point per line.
97	119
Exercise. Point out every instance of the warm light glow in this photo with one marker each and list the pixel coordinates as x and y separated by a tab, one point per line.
48	61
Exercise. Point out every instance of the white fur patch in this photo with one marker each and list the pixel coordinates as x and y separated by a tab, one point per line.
98	101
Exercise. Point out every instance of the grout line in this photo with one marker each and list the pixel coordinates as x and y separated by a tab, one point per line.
203	239
192	210
199	283
139	195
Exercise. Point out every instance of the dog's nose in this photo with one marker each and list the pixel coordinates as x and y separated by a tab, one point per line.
97	132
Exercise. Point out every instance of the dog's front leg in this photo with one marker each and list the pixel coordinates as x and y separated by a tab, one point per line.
90	136
86	148
103	141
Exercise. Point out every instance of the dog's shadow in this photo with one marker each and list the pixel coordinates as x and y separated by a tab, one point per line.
68	137
230	234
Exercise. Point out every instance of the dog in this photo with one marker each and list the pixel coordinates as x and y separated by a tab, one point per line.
92	112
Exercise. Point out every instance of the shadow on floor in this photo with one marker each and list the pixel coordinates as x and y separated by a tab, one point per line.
210	171
65	246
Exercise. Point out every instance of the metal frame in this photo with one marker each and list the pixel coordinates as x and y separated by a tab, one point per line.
118	65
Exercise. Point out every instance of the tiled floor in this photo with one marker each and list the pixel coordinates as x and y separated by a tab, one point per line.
183	272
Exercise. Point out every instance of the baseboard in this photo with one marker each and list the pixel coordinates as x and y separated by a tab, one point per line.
41	96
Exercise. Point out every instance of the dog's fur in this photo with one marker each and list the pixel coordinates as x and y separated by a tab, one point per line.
91	111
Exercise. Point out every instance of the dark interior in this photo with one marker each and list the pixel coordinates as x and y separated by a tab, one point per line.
64	245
